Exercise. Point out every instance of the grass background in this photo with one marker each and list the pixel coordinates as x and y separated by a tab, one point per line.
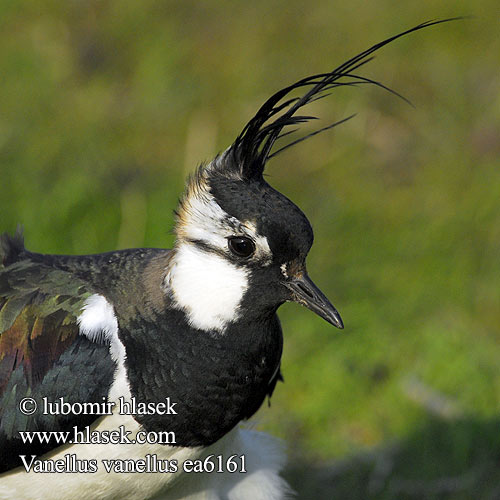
106	105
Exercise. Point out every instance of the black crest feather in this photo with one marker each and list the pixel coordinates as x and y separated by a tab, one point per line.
253	147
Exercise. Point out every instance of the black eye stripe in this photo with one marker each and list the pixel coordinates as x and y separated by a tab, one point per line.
241	246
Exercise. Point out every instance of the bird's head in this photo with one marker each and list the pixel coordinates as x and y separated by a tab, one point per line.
241	246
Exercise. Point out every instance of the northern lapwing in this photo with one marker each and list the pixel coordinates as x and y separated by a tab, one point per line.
124	375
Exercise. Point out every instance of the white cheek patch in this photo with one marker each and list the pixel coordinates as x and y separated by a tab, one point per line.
206	286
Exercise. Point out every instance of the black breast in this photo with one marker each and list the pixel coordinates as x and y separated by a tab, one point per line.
216	381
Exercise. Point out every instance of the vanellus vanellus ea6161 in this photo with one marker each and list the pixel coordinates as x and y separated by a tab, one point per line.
141	363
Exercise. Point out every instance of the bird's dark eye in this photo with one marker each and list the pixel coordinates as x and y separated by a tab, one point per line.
241	246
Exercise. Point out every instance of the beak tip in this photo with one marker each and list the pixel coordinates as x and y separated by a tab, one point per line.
337	322
305	292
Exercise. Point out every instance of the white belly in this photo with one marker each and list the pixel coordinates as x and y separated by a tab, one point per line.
264	458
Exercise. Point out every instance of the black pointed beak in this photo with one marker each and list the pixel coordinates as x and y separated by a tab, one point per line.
305	292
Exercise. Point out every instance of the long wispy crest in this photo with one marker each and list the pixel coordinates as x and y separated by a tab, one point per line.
254	146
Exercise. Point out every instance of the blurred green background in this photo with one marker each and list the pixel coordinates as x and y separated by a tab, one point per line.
106	106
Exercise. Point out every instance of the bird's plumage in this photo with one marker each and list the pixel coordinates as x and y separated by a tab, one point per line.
42	350
196	325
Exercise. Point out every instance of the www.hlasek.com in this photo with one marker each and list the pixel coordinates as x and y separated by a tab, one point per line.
148	464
